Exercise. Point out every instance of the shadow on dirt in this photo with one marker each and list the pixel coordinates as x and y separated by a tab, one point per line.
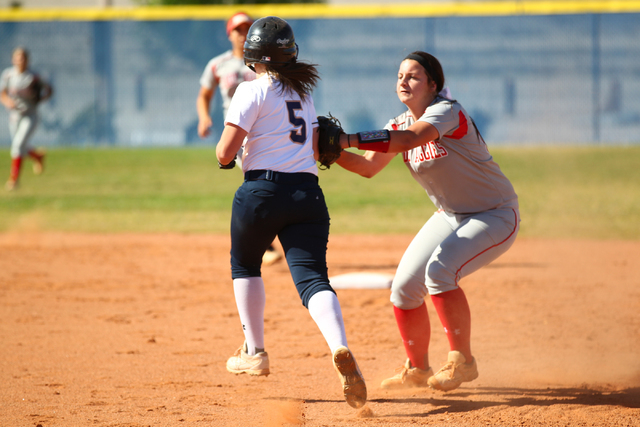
520	397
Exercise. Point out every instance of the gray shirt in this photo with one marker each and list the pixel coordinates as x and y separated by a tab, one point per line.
456	170
24	88
227	72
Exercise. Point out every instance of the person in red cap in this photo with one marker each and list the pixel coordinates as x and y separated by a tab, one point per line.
226	71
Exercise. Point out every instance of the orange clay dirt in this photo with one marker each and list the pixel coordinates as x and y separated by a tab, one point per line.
134	330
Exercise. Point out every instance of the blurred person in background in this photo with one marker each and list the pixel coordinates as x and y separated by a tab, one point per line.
21	90
226	71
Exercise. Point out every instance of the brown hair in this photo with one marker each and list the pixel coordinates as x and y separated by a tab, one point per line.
300	77
431	66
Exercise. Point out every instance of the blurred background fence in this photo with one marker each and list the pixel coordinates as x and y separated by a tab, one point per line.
127	79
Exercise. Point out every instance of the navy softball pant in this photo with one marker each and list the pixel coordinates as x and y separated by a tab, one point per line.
292	207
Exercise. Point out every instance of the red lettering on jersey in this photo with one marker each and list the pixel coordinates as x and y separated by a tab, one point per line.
434	151
463	127
431	151
248	76
230	80
426	153
440	149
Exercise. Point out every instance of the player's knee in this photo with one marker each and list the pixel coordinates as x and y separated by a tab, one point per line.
307	292
440	279
239	269
407	291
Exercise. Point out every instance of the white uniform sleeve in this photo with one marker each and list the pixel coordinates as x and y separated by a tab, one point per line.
245	107
442	117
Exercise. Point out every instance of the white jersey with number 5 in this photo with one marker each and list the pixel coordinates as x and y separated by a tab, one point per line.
457	171
279	124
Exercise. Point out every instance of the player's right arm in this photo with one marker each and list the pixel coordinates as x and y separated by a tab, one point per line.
367	165
202	105
395	141
230	142
5	99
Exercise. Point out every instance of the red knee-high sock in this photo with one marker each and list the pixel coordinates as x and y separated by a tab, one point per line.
453	310
15	168
415	331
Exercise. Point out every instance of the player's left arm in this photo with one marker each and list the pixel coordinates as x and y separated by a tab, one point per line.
395	141
46	90
229	144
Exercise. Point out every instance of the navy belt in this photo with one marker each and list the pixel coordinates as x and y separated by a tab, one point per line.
280	177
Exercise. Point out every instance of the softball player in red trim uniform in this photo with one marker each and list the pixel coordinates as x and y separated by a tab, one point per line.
225	71
476	221
20	92
274	116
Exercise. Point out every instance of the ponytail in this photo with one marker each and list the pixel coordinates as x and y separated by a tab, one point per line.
300	77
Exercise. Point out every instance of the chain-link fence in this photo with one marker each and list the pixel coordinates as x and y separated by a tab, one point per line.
530	79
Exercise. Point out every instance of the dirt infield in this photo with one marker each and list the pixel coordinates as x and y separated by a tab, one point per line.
134	330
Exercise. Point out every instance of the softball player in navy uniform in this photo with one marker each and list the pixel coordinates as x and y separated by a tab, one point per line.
20	92
227	71
280	196
476	221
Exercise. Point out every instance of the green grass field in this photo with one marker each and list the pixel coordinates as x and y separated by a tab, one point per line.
565	192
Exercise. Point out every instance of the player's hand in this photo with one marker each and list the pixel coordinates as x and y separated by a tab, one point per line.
204	127
9	104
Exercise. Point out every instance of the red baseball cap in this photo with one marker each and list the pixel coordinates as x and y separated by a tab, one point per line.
237	20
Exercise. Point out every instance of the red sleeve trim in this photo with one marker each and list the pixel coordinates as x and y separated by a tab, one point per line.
463	127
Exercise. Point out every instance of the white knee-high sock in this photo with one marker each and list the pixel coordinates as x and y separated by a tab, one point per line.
251	300
324	308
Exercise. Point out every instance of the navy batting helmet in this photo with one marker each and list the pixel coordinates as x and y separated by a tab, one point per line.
270	41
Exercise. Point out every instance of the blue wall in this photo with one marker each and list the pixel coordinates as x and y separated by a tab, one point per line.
557	79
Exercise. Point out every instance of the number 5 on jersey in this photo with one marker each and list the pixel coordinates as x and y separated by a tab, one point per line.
299	134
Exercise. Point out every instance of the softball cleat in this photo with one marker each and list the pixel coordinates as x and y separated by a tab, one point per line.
353	386
11	185
242	363
454	373
38	165
408	377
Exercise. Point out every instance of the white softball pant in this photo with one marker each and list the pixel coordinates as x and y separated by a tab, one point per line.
448	248
21	127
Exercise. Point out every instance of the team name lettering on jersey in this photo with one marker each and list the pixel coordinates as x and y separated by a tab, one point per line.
430	151
230	80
